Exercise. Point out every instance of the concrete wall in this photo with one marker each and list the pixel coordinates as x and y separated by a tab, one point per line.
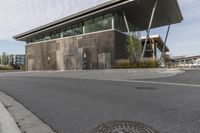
41	56
79	52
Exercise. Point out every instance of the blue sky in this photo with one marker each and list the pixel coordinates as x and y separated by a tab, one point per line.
18	16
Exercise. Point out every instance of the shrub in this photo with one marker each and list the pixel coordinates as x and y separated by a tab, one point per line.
125	63
122	63
6	67
147	63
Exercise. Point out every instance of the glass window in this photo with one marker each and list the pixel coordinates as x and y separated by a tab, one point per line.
80	29
40	38
47	36
92	25
108	21
116	17
33	39
56	34
120	23
98	23
75	29
89	26
67	32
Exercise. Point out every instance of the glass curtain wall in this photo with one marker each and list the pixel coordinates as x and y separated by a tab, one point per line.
103	22
100	23
120	23
72	30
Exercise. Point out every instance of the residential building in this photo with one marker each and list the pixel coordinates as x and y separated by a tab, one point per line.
16	60
95	38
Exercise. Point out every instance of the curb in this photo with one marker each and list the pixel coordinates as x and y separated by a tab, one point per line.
174	71
25	120
7	123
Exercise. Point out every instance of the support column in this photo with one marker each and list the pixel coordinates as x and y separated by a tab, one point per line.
153	49
113	23
83	29
133	54
149	28
163	50
61	33
126	22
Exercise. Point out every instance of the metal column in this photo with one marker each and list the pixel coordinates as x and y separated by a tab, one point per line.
126	22
133	54
149	28
163	50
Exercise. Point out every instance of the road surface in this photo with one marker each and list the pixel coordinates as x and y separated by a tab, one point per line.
75	105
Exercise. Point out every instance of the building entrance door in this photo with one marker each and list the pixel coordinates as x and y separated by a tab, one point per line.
70	62
104	61
30	64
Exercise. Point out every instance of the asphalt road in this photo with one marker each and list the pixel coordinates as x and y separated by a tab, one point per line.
71	105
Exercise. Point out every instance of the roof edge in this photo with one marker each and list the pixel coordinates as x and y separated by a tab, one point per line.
70	17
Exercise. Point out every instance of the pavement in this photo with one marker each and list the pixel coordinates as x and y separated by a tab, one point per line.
7	123
77	102
22	118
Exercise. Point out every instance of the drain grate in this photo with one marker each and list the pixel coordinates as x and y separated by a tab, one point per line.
123	127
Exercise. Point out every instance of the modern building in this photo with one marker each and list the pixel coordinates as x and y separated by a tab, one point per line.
186	61
155	46
95	38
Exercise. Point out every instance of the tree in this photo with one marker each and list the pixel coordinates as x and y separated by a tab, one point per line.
4	59
134	48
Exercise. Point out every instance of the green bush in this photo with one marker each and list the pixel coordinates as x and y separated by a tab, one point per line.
125	64
122	63
6	67
148	63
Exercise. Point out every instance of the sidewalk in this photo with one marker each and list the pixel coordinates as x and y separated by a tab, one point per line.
14	113
7	123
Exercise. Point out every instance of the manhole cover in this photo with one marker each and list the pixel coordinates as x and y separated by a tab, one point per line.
123	127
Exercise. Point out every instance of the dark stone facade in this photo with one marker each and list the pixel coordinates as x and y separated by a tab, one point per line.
90	51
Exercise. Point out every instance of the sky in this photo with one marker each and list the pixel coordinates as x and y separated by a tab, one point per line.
18	16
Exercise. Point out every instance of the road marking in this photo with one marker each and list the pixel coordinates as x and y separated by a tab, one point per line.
161	83
119	80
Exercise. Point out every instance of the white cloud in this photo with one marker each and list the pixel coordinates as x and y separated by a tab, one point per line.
17	16
20	15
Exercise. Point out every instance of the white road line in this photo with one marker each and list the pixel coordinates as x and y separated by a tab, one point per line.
122	80
160	83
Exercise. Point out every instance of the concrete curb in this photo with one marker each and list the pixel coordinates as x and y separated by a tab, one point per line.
175	71
7	123
26	120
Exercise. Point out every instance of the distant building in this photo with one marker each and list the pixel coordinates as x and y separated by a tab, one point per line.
184	61
16	60
97	37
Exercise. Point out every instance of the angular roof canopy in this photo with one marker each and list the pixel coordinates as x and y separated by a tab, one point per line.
137	11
